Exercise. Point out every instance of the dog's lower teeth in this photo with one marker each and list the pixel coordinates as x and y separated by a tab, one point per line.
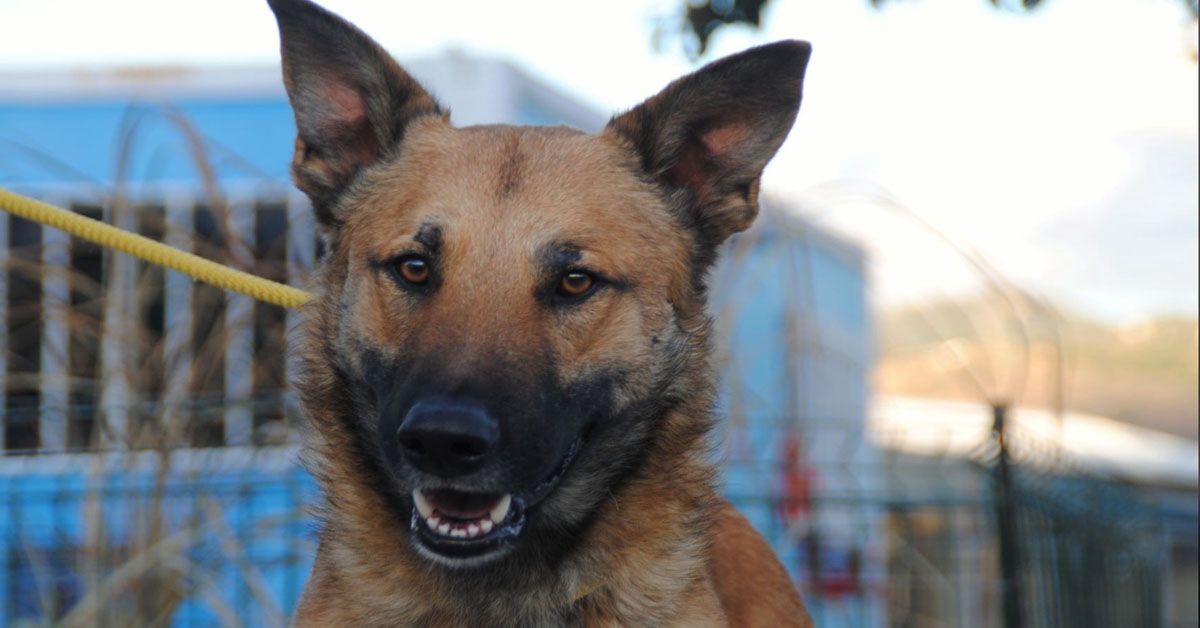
459	529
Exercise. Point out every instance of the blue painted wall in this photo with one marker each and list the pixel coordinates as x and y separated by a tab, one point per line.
244	531
82	141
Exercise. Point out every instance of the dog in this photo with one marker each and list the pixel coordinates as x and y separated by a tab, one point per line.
505	365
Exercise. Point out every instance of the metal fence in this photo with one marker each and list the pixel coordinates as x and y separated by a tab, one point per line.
223	537
86	331
937	539
189	537
150	475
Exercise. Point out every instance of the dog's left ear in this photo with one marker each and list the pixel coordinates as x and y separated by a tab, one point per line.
707	136
351	99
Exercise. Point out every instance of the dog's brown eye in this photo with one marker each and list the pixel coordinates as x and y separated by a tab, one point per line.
414	270
575	283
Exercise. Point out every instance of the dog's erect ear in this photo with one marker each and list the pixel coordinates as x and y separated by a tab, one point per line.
708	135
351	99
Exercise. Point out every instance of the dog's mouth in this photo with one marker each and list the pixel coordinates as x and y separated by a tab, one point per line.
465	528
455	515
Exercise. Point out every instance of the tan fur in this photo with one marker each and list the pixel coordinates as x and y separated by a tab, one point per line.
662	545
642	541
754	589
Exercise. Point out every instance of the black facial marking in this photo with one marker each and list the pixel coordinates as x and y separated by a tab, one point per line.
559	256
351	392
430	236
547	429
512	169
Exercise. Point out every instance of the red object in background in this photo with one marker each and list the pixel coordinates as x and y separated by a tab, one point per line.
796	480
833	572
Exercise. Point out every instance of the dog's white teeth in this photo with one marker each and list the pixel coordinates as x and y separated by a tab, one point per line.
500	511
464	530
461	529
423	505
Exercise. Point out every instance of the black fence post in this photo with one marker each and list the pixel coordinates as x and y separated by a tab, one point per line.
1006	523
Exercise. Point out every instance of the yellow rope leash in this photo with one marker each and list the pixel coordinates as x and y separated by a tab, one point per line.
152	251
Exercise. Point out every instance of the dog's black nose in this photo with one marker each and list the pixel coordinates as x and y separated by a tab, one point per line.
448	438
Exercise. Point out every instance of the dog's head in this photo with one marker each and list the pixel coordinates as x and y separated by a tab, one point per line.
506	313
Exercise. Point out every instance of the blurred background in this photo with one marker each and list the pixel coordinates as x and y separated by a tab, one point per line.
958	352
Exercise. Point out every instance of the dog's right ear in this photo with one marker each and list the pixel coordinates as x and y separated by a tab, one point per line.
351	99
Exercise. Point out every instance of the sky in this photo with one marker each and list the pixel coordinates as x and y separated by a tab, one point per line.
1060	145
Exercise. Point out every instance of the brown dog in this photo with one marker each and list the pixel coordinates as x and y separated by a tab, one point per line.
506	362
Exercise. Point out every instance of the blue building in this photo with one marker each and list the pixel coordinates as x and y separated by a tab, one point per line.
151	474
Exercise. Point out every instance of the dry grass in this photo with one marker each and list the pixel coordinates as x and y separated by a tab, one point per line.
139	554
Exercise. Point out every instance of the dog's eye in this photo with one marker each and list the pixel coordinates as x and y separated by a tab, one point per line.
413	270
575	283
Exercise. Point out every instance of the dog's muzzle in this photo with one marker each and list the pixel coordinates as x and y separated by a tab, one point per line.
452	443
